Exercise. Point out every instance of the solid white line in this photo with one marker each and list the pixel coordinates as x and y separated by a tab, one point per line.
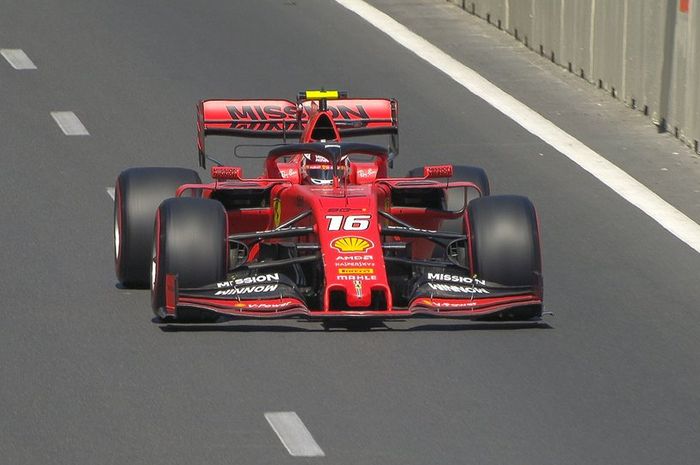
625	185
69	123
110	192
293	434
17	58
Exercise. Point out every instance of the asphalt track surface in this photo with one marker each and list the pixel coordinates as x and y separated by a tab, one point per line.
87	378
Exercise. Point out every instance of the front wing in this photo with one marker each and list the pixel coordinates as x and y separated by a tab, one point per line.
472	307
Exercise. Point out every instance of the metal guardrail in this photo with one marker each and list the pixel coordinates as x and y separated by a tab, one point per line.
644	52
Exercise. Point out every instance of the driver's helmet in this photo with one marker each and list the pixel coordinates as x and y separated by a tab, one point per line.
318	170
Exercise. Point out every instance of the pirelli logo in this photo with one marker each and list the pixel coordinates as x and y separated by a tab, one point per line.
355	270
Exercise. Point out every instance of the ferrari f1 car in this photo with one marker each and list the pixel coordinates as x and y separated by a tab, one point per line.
324	231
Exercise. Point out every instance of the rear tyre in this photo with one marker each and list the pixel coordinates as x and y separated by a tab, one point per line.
473	174
137	194
454	200
505	245
190	240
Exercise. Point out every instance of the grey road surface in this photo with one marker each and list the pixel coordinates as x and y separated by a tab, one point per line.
86	377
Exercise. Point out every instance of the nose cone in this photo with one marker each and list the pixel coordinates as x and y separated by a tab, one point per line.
353	262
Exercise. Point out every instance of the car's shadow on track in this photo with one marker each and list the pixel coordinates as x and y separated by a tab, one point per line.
244	326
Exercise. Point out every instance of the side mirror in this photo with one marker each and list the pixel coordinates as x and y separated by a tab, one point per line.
456	199
226	172
438	171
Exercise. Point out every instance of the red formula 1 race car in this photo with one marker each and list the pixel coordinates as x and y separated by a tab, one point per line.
324	232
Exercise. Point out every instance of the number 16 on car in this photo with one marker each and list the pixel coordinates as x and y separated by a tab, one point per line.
348	223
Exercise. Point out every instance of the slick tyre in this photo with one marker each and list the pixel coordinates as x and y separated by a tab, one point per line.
505	245
137	194
189	240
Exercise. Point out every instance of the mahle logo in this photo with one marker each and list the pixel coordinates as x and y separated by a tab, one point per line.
351	244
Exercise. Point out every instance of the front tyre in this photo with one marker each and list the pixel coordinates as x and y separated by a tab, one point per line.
190	240
505	245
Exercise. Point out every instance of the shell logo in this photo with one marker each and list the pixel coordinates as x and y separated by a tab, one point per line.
350	244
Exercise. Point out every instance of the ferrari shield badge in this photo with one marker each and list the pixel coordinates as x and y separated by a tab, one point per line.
276	212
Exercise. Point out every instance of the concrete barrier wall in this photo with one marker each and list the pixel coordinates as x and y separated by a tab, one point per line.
644	52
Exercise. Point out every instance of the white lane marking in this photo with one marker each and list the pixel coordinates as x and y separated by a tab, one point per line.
293	434
69	123
110	192
615	178
17	58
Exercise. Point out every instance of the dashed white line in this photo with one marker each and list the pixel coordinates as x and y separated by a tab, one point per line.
110	192
17	58
293	434
615	178
69	123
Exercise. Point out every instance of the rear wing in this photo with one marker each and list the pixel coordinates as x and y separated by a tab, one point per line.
282	119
